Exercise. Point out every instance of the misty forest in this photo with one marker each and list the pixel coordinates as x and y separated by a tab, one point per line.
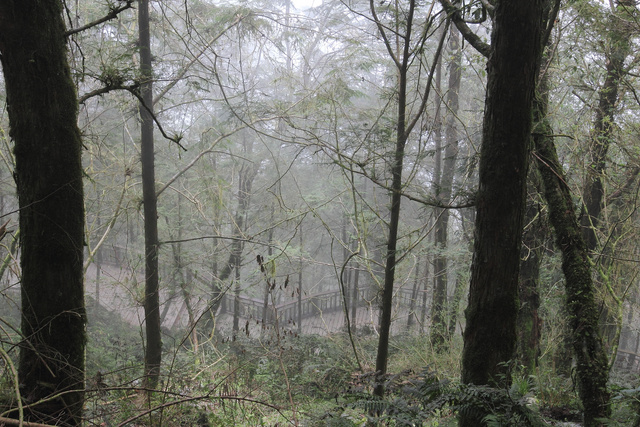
320	213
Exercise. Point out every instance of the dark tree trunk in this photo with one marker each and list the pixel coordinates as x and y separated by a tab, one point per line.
345	279
402	58
592	367
386	302
603	135
604	125
490	332
43	110
153	353
300	286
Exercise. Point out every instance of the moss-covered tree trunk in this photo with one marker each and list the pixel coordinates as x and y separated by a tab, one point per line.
43	109
602	136
592	367
490	332
604	123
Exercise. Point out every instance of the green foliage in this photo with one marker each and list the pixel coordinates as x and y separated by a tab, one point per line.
414	399
626	402
112	345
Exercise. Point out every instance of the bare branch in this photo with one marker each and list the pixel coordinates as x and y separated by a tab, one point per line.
489	7
12	422
196	58
109	87
113	13
425	97
471	37
176	139
383	34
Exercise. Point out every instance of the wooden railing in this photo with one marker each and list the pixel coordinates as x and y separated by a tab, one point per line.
312	306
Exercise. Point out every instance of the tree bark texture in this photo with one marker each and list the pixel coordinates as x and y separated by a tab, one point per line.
43	110
593	195
490	333
153	353
592	366
604	125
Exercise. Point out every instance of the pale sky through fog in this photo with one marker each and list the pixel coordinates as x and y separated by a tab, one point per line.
305	4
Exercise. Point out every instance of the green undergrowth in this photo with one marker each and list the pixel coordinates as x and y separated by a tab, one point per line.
269	379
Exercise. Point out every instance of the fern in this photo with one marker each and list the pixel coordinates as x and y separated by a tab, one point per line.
414	399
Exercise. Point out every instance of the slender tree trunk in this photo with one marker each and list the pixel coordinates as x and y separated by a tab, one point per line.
236	298
347	276
98	264
414	296
454	307
245	182
490	332
153	354
425	291
439	295
439	329
529	322
604	125
394	221
355	297
265	301
603	135
43	110
402	58
300	286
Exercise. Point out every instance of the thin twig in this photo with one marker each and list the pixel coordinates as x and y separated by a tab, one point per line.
113	13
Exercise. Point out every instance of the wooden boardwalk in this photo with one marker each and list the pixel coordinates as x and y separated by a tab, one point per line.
120	291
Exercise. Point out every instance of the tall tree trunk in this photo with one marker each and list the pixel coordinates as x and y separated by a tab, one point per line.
267	286
394	213
490	332
604	124
43	110
246	176
603	135
153	354
300	286
529	322
439	324
402	59
581	307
